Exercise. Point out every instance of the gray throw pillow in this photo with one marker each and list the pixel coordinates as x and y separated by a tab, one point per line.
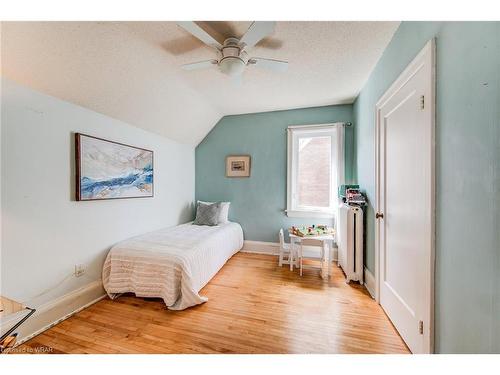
207	213
223	213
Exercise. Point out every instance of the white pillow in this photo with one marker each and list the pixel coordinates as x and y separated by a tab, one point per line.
223	213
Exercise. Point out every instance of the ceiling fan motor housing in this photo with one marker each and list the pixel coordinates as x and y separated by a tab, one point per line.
233	59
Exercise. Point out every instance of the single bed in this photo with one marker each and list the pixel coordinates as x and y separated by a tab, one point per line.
172	263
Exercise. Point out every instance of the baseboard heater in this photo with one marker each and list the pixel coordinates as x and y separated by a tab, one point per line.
350	242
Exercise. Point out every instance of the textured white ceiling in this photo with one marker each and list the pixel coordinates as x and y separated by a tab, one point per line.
131	70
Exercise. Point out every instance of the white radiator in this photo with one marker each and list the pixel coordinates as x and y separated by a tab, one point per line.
350	242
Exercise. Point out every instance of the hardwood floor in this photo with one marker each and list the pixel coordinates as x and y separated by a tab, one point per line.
254	307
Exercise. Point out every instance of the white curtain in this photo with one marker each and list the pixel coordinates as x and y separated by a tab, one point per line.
340	130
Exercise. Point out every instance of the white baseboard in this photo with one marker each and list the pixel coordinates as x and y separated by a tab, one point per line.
53	312
370	282
261	247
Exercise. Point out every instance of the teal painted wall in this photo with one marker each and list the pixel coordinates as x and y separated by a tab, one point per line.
467	169
258	202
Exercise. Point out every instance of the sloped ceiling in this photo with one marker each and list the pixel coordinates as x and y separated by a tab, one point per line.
131	70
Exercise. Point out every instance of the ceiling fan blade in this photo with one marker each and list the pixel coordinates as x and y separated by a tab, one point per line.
199	65
192	28
277	65
257	31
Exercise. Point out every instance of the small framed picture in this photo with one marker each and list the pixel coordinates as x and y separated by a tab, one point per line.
238	166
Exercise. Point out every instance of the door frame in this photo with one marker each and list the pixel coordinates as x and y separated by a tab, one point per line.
426	55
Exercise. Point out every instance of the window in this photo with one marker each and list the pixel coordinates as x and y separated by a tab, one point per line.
313	160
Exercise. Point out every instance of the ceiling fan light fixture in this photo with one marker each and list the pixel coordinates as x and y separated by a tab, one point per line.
232	66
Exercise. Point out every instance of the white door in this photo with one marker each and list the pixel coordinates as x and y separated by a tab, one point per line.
405	201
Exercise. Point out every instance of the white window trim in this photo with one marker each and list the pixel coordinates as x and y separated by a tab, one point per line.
305	212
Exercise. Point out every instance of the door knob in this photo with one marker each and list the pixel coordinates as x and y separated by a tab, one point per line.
379	215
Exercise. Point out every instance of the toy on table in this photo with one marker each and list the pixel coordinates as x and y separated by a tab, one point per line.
314	230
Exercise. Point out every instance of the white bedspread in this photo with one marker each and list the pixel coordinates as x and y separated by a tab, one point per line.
171	263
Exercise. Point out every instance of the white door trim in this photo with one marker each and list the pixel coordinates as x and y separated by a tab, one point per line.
428	52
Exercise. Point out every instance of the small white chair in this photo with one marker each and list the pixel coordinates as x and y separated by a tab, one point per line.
286	253
316	254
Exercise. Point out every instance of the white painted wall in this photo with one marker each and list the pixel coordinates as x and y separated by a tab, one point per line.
45	232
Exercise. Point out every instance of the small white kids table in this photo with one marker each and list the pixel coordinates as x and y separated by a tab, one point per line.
326	256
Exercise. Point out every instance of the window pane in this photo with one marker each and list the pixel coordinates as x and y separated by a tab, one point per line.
313	179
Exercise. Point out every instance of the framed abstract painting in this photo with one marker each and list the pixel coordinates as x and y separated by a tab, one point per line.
111	170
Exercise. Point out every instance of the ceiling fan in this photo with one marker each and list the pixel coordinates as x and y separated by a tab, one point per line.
232	57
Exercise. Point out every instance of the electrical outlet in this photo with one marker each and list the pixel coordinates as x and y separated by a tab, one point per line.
79	270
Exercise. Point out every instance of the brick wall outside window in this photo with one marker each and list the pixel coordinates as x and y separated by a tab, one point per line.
313	180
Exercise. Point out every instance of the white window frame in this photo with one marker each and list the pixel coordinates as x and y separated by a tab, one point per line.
305	131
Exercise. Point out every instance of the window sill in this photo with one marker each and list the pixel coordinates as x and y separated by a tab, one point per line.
310	214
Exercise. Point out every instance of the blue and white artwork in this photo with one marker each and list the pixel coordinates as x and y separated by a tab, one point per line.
109	170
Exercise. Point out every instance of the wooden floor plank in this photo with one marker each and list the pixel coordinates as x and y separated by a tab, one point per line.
254	307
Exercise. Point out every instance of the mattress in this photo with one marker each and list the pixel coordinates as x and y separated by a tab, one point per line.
172	263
